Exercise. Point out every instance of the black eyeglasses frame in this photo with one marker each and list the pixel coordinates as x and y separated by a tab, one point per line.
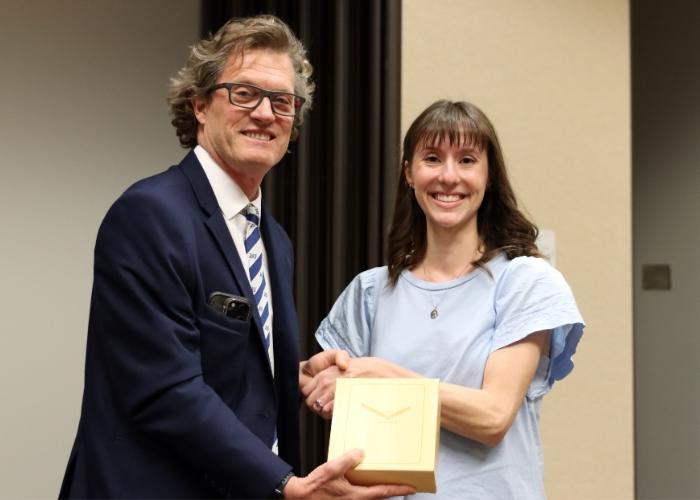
270	94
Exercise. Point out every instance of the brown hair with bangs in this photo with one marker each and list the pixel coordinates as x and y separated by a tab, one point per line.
501	225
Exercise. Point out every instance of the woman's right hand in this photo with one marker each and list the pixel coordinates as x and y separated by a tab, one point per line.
317	379
319	391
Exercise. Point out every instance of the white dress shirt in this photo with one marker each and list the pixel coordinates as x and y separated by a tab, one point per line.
232	202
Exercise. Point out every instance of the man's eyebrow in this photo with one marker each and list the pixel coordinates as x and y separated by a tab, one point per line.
247	81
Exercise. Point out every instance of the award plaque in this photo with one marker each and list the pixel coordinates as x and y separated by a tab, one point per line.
396	422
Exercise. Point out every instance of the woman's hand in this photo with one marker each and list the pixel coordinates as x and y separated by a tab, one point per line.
319	391
333	360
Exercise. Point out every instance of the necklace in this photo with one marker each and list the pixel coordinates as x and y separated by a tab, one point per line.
434	312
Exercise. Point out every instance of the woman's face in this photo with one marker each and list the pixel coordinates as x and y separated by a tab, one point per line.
449	182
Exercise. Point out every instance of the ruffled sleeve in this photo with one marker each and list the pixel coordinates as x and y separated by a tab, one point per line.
532	296
349	324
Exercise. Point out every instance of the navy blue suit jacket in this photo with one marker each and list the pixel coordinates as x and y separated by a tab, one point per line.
179	399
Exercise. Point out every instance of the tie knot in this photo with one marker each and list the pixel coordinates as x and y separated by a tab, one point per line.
252	214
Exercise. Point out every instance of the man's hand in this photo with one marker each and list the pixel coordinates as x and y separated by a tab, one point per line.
328	481
324	359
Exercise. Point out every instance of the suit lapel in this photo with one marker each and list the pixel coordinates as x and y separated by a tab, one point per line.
192	169
280	276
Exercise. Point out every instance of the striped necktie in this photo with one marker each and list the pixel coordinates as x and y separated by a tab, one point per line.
254	251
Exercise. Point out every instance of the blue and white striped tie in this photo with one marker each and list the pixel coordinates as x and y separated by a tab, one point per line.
254	250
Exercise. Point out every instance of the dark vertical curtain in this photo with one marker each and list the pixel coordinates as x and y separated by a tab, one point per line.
334	191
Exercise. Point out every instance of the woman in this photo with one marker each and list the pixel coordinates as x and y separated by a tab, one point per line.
465	298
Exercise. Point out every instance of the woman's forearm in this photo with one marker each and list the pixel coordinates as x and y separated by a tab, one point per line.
472	413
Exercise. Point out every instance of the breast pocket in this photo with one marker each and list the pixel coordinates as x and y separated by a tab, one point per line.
224	343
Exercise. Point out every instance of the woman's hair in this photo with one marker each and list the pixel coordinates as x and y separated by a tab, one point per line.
208	58
501	225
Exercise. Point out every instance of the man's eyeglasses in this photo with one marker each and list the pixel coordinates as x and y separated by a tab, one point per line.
249	96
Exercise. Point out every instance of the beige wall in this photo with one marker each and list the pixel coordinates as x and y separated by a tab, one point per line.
554	77
82	97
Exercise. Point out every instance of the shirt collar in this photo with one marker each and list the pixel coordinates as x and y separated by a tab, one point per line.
230	197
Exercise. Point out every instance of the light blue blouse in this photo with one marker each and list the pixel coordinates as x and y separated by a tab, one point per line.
477	314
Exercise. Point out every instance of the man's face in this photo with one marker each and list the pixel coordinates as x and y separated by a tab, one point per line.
247	143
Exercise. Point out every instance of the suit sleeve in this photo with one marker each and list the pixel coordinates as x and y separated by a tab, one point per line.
149	343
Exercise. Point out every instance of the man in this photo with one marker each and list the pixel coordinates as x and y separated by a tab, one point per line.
191	379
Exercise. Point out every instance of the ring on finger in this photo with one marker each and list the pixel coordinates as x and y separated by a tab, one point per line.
317	404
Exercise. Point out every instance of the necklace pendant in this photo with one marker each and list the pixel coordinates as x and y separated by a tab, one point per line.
434	313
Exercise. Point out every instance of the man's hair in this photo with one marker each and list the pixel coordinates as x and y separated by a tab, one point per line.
208	58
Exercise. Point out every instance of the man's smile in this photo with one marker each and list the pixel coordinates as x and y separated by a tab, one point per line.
260	136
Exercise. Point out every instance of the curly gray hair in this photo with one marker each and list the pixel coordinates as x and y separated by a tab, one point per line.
208	59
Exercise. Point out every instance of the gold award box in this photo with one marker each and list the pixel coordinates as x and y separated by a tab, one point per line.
396	422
